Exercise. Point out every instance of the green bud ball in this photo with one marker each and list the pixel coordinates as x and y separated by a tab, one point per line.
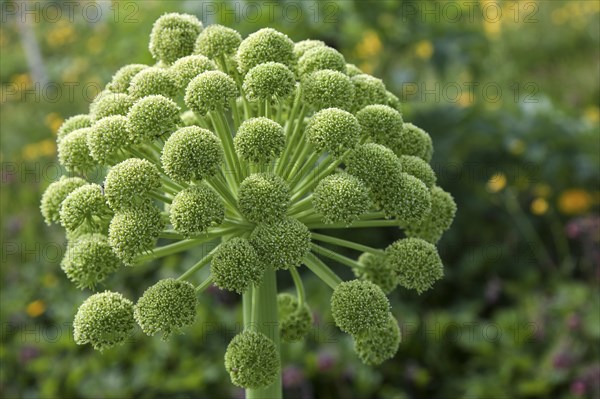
412	204
359	305
303	46
104	320
321	57
89	259
393	101
152	81
259	140
377	345
109	104
263	46
333	130
236	266
130	182
85	204
282	244
71	124
189	118
54	196
187	68
417	263
107	139
195	209
418	168
218	41
294	321
252	360
378	271
368	90
167	306
173	36
264	198
382	124
267	81
134	231
152	117
210	91
73	152
353	70
122	78
415	141
443	209
341	198
192	153
327	89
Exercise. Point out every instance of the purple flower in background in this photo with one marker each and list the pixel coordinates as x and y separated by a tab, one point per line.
578	388
292	377
325	361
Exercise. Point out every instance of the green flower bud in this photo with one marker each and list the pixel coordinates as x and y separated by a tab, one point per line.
236	266
129	182
353	70
382	124
263	46
259	140
152	81
167	306
210	91
443	209
218	41
333	130
321	57
368	90
418	168
54	196
267	81
73	123
152	117
173	36
108	104
359	305
108	137
415	141
189	118
85	204
377	271
134	231
89	259
303	46
282	244
104	320
393	101
195	209
294	321
341	198
264	198
192	153
187	68
327	89
377	345
122	78
252	360
416	262
73	152
412	204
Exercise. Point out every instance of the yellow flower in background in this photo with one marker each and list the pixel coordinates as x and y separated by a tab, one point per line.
36	308
44	148
539	206
496	183
542	190
21	80
465	99
366	67
370	45
592	114
424	49
517	147
63	33
53	121
574	201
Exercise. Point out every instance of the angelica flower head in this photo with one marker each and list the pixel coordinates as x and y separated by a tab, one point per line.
259	147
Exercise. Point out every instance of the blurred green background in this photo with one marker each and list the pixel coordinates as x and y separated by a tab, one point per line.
508	90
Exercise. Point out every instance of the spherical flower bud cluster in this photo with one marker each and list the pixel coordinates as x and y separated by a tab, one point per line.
295	321
107	139
187	68
195	209
73	152
443	210
382	124
167	306
152	117
174	36
130	182
73	123
210	91
236	265
303	46
263	46
321	57
378	344
359	305
341	198
333	130
268	81
152	81
259	140
413	202
89	259
368	90
122	78
418	168
217	41
84	205
108	103
264	198
282	244
353	70
327	89
377	270
252	360
54	196
415	141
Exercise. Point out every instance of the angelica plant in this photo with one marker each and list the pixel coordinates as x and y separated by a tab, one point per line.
265	145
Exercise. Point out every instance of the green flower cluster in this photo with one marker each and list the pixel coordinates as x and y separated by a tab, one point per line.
250	144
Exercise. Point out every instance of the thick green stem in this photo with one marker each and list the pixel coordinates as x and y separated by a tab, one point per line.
346	244
265	320
355	224
322	271
344	260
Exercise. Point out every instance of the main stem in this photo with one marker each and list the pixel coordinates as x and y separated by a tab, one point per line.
266	322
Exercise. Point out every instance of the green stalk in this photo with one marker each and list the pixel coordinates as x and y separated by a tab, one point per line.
199	265
355	224
322	271
344	260
205	284
346	244
265	320
299	286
